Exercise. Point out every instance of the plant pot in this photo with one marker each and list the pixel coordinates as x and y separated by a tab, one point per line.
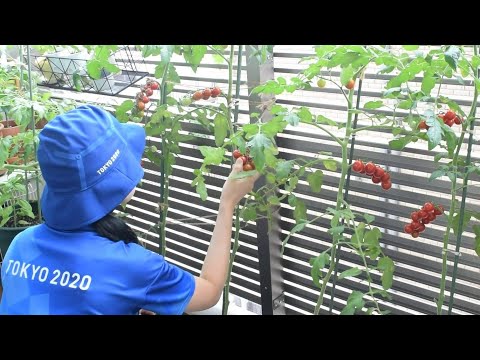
40	124
8	233
1	128
6	237
14	160
9	128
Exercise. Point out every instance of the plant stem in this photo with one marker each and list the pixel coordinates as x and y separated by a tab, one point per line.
464	192
325	130
226	289
369	278
32	124
163	178
335	220
347	185
217	52
372	127
451	212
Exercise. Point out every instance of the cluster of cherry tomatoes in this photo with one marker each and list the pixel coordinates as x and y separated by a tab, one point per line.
427	214
143	96
449	118
377	173
201	94
248	163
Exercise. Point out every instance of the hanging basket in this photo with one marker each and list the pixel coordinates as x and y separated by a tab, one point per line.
68	71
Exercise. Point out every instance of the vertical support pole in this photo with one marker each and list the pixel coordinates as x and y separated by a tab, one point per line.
269	243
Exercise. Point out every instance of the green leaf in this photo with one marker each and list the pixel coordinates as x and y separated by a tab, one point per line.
292	183
451	140
201	188
346	75
171	101
405	104
451	175
292	119
257	145
315	180
428	83
218	59
160	70
277	109
292	200
172	76
270	178
322	50
94	69
476	246
305	114
371	239
77	81
475	61
373	104
273	127
249	213
220	129
283	169
324	120
149	50
392	92
411	47
452	55
114	69
318	264
386	264
368	218
336	230
348	310
300	211
434	135
212	155
437	174
270	159
350	272
354	302
330	164
400	143
456	219
357	236
299	227
194	54
273	200
476	215
439	156
240	143
122	109
397	130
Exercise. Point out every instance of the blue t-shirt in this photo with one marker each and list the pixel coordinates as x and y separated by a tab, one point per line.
50	272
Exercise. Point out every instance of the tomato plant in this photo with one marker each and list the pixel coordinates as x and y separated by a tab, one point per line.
427	116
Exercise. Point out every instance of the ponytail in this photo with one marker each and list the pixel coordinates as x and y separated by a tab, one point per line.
115	229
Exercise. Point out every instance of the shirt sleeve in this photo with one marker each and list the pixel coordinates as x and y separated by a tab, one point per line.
171	289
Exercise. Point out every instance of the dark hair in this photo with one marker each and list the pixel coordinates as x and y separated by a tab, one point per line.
115	229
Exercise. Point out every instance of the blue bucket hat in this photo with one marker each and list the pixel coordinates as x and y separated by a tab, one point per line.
90	162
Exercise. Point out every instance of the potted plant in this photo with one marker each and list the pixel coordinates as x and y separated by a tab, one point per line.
16	212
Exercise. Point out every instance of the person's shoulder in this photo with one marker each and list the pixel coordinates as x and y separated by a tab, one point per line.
141	255
29	232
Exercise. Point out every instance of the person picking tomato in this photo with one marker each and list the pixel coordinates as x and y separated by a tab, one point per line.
83	259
